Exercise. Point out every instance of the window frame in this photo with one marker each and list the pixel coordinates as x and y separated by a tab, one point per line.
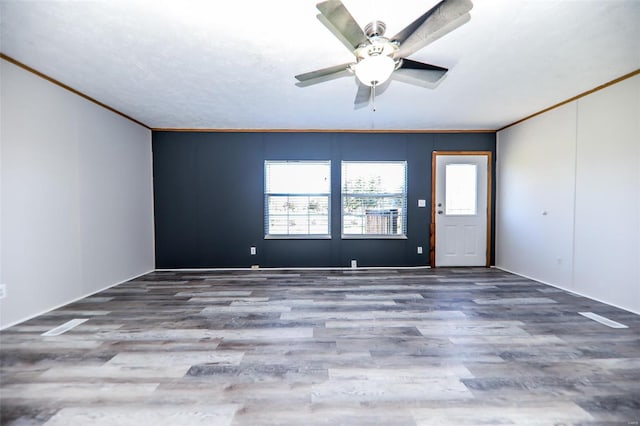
403	195
268	194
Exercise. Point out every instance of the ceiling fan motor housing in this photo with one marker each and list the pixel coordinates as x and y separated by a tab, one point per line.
375	29
376	46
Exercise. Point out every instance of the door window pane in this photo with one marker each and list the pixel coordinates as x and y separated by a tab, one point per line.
461	189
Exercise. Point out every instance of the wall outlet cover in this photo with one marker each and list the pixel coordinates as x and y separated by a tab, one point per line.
354	263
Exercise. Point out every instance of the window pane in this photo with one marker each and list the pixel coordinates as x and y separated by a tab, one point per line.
297	177
461	189
318	206
297	198
278	224
278	205
373	177
373	198
353	224
319	225
298	225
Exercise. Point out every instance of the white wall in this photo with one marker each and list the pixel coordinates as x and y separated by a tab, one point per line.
534	200
580	164
77	209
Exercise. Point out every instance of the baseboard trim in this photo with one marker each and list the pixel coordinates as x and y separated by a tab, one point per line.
72	301
292	268
577	293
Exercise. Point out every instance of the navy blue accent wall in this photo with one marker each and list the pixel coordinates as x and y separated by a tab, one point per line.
209	196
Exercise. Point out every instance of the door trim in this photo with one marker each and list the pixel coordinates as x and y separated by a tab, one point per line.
432	227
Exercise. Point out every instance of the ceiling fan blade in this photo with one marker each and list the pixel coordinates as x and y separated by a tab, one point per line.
322	75
419	74
443	18
415	65
363	95
335	31
339	17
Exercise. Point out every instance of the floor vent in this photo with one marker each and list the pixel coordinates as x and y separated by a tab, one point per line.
603	320
64	327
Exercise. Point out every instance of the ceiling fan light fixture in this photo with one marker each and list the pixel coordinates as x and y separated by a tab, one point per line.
374	70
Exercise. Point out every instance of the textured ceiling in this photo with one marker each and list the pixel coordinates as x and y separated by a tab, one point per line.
231	65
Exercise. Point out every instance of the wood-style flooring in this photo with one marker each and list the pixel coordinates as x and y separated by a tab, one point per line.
344	347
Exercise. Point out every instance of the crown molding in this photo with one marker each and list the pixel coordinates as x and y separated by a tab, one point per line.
212	130
69	88
581	95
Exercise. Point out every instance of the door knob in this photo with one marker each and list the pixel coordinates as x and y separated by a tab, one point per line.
439	211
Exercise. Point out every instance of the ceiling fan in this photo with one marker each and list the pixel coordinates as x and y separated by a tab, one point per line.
378	58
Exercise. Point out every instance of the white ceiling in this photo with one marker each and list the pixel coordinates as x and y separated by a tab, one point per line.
231	65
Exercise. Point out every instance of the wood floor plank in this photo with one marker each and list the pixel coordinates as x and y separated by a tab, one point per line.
455	346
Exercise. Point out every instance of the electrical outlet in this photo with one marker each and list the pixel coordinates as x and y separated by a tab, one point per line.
3	291
419	250
354	263
253	251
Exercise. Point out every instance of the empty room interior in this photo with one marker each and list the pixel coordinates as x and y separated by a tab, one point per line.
329	213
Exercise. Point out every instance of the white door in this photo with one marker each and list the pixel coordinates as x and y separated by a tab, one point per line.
461	189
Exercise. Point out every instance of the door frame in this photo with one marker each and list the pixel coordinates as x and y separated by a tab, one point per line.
432	227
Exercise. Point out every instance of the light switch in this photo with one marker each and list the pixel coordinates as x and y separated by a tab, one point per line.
422	203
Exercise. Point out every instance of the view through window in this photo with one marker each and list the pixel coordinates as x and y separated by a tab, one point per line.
374	198
297	198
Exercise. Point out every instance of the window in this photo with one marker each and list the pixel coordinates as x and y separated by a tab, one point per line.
297	198
461	189
374	198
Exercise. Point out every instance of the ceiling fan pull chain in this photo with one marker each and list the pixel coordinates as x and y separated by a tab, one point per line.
373	97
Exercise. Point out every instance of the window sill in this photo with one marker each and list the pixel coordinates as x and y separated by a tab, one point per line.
374	237
297	237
